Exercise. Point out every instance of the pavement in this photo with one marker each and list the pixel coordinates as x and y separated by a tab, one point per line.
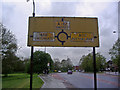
112	73
51	82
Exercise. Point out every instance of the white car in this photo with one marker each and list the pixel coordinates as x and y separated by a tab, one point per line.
59	71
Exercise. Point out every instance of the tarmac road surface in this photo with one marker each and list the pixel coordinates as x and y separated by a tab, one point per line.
79	80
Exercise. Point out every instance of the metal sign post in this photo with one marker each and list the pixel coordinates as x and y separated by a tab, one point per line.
94	65
31	68
32	48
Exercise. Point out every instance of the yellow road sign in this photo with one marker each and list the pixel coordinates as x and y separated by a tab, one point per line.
82	37
63	32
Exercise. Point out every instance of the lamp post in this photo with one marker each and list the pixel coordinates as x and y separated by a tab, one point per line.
32	49
115	32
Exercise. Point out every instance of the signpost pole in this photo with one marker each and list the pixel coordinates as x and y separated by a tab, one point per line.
94	65
32	48
31	68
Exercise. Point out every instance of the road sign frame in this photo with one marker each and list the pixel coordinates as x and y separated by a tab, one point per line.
72	25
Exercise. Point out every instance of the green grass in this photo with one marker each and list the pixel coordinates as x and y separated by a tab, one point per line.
37	82
21	80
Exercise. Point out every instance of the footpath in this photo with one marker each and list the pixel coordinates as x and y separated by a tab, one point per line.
112	73
51	82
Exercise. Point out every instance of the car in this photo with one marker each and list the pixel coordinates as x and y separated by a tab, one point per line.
69	72
80	70
59	71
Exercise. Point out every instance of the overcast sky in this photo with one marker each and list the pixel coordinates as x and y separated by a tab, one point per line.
15	17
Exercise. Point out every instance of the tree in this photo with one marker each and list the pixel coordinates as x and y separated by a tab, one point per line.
27	65
9	48
69	63
86	62
66	64
115	53
100	62
57	64
40	61
20	65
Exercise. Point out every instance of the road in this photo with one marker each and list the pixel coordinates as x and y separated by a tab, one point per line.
86	80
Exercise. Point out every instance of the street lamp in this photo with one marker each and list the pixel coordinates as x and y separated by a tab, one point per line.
114	31
32	49
118	50
33	7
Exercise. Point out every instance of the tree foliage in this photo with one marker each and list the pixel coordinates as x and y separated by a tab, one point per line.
115	53
40	61
66	64
57	65
9	48
86	62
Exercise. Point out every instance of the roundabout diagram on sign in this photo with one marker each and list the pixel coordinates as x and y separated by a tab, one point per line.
58	36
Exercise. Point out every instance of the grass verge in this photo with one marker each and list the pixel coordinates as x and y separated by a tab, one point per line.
21	80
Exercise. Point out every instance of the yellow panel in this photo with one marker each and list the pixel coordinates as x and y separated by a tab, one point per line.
82	37
63	32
